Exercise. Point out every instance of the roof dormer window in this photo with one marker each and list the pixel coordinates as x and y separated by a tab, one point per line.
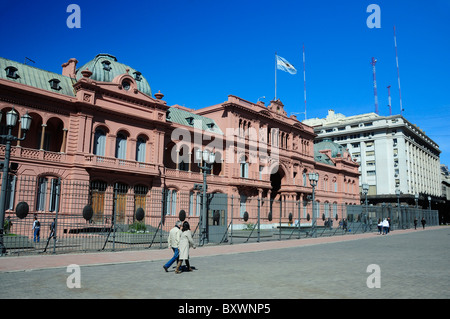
190	120
11	72
54	84
137	76
106	65
210	125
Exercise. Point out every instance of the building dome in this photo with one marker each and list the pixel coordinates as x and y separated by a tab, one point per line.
105	68
327	144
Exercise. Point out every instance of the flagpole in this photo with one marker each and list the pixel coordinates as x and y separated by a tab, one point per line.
304	77
275	76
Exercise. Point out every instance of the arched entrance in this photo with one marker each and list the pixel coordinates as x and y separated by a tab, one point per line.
277	179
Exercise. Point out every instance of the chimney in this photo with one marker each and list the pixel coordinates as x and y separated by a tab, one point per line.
69	68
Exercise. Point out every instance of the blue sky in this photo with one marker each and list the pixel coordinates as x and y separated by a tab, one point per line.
197	52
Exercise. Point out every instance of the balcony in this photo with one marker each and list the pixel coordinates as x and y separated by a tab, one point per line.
195	177
33	154
112	163
250	182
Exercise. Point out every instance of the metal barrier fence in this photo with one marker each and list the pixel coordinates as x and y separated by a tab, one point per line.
87	217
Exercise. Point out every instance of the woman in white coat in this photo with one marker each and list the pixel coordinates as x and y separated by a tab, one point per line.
186	242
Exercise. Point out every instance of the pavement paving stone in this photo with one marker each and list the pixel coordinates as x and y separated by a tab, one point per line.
413	264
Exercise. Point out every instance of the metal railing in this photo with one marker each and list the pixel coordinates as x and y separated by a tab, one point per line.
96	216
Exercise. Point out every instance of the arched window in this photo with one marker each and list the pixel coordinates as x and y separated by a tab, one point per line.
244	167
99	142
326	209
171	202
121	146
140	149
48	191
335	210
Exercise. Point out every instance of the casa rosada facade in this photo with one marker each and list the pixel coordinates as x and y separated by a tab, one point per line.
100	122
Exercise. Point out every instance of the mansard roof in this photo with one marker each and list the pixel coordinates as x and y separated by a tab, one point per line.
35	77
183	117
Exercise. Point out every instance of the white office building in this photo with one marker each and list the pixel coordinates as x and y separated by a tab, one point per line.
392	152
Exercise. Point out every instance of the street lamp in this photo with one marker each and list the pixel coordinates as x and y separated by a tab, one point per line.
429	201
313	179
208	158
416	198
11	121
397	192
365	190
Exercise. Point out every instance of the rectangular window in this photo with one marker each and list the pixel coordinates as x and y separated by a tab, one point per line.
370	163
54	195
174	203
41	194
244	169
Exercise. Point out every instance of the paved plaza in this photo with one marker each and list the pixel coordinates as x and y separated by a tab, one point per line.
405	264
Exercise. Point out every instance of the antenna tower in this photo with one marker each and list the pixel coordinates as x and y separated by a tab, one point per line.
374	61
398	74
389	99
304	77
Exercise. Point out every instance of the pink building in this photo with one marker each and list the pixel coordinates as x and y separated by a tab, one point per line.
99	123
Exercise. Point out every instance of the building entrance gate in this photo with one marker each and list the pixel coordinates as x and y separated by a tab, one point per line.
217	217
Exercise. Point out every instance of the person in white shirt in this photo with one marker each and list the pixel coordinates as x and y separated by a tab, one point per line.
385	226
173	242
36	229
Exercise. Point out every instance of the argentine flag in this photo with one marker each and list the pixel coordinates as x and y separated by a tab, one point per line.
285	66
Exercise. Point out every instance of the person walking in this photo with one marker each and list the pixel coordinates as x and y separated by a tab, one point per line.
415	223
36	229
173	242
186	241
380	226
52	233
344	224
423	221
385	227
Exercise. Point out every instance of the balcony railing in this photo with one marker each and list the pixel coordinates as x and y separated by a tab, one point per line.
29	153
120	164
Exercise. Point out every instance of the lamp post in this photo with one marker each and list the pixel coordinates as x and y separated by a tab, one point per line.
429	201
365	190
313	179
397	192
208	158
11	121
